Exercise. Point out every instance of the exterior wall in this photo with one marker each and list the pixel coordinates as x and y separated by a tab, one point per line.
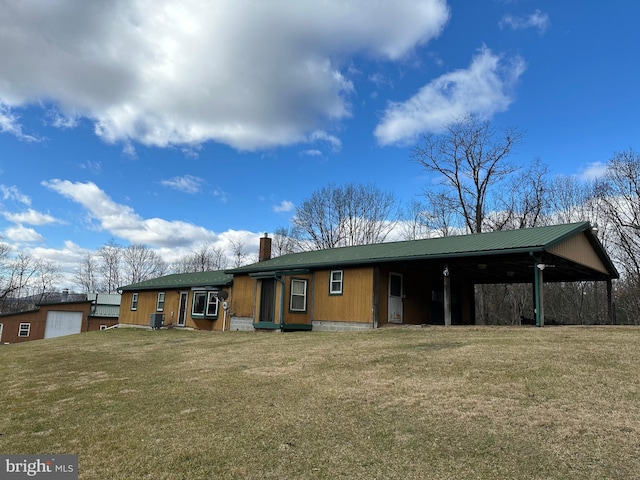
96	322
243	295
147	303
355	304
294	317
38	321
579	250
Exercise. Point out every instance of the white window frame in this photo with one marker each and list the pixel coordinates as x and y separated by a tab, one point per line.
210	304
302	295
21	331
134	301
160	302
333	282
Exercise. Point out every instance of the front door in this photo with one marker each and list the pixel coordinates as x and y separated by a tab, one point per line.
182	311
267	300
395	298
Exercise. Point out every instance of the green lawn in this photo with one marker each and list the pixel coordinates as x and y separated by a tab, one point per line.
456	403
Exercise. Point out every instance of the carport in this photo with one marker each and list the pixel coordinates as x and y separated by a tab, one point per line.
558	253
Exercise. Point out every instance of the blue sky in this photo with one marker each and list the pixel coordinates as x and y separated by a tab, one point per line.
177	122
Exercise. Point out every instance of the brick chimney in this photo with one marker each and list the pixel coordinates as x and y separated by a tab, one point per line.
265	249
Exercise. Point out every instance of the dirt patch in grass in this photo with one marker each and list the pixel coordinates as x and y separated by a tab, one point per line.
489	403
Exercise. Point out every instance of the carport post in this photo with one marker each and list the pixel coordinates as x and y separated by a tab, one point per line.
609	302
447	296
538	283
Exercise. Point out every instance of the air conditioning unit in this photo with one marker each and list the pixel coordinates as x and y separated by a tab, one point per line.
156	321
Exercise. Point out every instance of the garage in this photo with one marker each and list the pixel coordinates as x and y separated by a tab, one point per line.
61	323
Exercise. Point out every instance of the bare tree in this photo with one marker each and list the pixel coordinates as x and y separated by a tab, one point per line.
86	274
619	194
238	249
283	242
205	258
110	255
336	216
524	202
44	285
414	223
24	280
471	159
440	214
141	263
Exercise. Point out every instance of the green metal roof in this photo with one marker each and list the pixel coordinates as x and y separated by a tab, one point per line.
524	240
216	278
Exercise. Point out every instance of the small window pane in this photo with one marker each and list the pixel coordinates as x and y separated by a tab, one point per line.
336	282
160	304
198	303
25	329
134	301
298	300
212	304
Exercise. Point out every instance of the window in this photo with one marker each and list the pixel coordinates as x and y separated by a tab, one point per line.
134	301
298	302
160	302
205	304
24	330
335	284
103	327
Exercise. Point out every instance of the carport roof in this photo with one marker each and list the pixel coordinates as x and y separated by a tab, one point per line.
506	243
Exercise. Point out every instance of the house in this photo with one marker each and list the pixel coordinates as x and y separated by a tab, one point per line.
429	281
192	300
55	319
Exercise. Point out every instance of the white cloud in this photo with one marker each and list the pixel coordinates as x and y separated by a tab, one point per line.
10	123
121	221
284	206
22	234
593	171
220	195
313	152
31	217
186	183
182	72
537	20
321	136
483	89
12	193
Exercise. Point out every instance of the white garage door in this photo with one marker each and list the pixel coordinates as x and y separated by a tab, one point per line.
62	323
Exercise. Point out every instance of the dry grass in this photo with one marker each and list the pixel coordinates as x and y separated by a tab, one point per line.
489	403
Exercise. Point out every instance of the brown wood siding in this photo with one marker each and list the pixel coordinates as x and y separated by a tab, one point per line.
579	250
356	302
243	295
38	321
147	302
96	322
297	318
